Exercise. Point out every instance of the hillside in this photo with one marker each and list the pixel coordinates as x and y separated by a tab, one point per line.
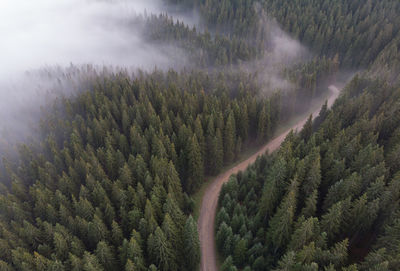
101	159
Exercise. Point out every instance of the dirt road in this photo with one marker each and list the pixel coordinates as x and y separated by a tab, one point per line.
210	199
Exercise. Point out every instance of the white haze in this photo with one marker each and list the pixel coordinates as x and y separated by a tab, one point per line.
44	34
48	32
55	33
282	51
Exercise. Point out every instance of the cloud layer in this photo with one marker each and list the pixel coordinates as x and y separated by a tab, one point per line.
44	34
47	32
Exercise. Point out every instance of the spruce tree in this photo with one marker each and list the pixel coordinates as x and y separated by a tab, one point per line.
195	166
281	224
229	139
191	244
161	251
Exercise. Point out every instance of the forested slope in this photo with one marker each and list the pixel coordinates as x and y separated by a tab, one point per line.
330	195
109	187
357	31
328	199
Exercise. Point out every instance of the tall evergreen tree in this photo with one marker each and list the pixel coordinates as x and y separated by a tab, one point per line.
191	244
161	251
229	139
195	166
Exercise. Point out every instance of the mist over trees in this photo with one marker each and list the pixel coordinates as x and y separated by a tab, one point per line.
119	163
328	199
107	182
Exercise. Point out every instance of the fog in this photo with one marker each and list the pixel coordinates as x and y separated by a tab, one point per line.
281	52
47	32
44	39
43	35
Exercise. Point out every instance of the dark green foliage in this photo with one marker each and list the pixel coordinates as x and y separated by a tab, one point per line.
108	187
161	251
229	139
330	196
111	184
191	244
228	265
195	168
356	30
207	48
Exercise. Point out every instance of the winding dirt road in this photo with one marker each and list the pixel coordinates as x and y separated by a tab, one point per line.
210	199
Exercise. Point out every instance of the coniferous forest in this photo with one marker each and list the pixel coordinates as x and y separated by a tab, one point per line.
110	178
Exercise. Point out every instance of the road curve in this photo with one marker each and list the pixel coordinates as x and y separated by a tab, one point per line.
210	199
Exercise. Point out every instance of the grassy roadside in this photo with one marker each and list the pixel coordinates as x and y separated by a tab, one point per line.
198	196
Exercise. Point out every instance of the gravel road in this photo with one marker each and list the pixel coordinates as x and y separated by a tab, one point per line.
210	199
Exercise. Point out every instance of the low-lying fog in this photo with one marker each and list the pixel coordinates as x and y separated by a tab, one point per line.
48	32
55	33
52	35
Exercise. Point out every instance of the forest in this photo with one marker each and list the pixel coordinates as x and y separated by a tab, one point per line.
111	187
109	181
328	199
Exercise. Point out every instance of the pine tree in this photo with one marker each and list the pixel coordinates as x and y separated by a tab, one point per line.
262	127
130	266
332	221
313	177
224	237
90	262
171	232
307	129
105	256
243	124
134	253
271	192
229	139
217	152
239	253
228	265
195	166
210	147
198	131
161	251
307	231
281	224
310	207
191	244
150	219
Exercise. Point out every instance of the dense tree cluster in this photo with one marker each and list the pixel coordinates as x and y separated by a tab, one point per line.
387	64
311	81
329	199
204	48
232	17
110	188
357	31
